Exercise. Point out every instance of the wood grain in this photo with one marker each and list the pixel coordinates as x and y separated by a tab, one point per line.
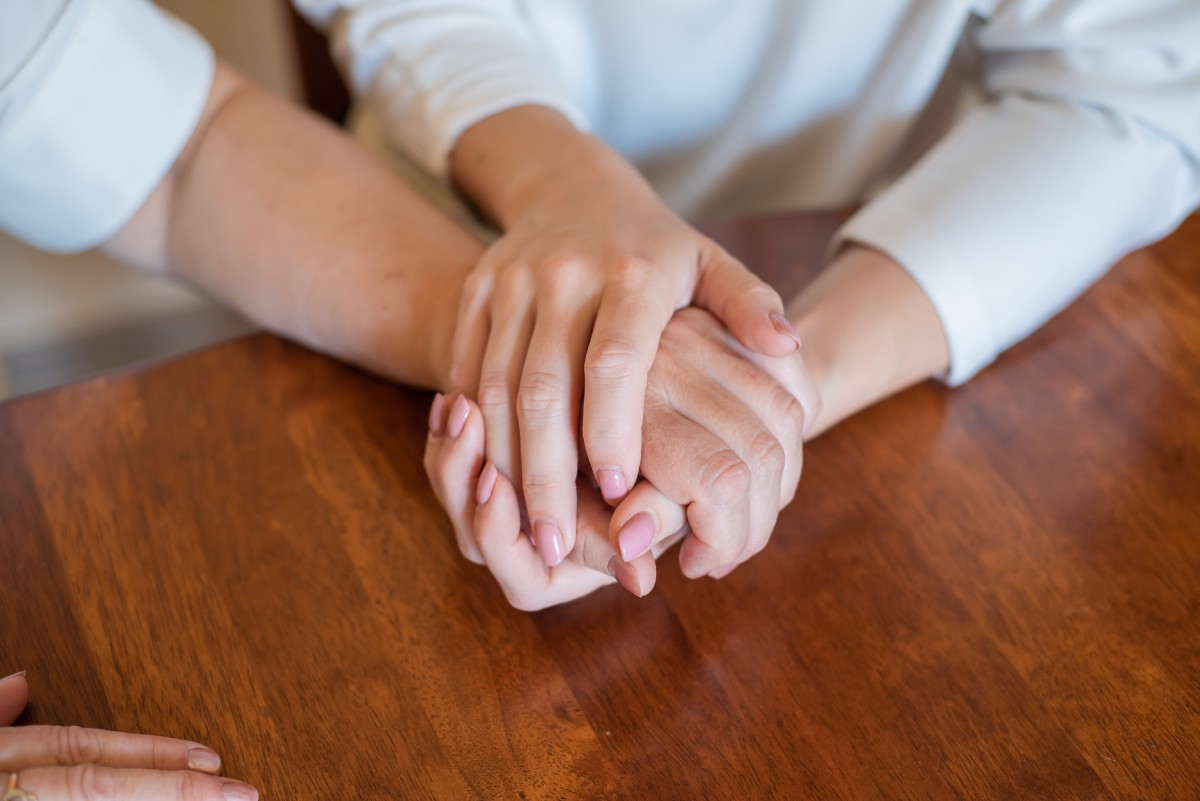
986	593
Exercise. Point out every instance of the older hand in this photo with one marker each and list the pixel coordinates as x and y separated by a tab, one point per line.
68	763
723	439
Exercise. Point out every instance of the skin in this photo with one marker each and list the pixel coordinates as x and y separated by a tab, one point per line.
69	763
561	318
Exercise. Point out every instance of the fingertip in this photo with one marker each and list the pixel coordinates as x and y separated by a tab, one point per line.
784	328
487	483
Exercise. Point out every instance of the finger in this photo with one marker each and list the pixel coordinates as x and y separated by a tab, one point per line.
500	377
594	546
471	333
628	327
46	746
99	783
14	695
510	556
454	460
645	519
779	391
743	432
696	469
749	308
548	403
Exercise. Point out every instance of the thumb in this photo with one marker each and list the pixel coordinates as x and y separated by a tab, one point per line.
14	694
746	305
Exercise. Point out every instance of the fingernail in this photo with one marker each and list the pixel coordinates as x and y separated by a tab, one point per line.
625	575
487	481
722	572
636	536
436	413
612	484
203	759
784	326
237	791
13	676
549	542
458	416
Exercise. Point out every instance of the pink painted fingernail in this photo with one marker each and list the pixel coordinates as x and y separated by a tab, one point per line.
437	413
549	542
203	759
458	416
636	536
612	484
784	326
237	791
722	572
487	482
16	675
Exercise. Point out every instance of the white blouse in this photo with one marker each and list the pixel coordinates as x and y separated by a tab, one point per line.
1007	152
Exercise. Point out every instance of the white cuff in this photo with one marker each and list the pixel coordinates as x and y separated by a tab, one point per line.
114	100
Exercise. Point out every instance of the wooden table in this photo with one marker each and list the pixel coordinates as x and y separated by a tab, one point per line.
992	592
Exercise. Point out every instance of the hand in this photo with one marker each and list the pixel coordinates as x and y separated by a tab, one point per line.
67	763
484	511
569	305
723	438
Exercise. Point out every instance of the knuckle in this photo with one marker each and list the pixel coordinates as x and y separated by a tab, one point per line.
630	274
90	783
190	787
477	287
786	412
494	395
724	478
766	455
77	746
613	358
543	395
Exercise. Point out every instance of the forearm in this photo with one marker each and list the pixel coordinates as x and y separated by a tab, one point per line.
510	161
281	216
868	332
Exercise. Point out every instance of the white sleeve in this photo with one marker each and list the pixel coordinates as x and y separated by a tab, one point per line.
1089	147
433	68
94	118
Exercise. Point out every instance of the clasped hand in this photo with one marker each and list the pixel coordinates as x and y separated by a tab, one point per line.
722	433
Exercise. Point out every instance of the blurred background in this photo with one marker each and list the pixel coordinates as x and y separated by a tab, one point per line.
63	318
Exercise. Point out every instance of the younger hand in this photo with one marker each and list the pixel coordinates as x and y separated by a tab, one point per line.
67	763
484	510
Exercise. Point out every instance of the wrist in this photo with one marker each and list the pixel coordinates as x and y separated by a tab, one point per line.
522	160
868	330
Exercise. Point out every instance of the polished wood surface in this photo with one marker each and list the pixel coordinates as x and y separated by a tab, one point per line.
991	592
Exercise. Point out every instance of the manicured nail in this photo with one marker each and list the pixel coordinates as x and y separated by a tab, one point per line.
722	572
204	760
612	484
636	536
458	416
625	575
237	791
549	542
13	676
437	413
487	482
784	326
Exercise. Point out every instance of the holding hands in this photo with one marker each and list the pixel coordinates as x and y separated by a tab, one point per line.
721	454
560	322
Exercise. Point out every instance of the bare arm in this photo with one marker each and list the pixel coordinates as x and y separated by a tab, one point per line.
278	214
868	331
